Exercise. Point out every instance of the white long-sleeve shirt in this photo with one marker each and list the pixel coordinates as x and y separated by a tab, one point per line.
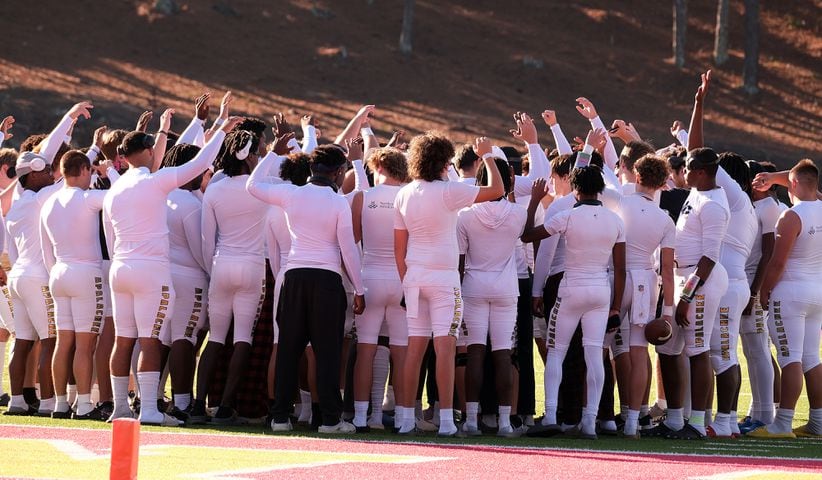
23	228
233	221
701	226
539	168
52	143
320	224
136	205
742	230
70	227
277	239
184	212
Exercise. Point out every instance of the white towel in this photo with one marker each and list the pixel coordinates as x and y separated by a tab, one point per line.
643	283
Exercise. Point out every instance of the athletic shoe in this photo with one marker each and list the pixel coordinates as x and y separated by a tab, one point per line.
341	427
426	426
646	423
543	431
528	420
28	411
456	433
688	432
374	425
471	431
44	413
4	400
620	422
750	426
624	435
510	432
198	414
805	432
180	415
167	421
411	433
745	423
225	416
281	427
95	414
365	429
659	431
608	428
656	411
762	432
576	432
105	409
711	433
125	413
62	415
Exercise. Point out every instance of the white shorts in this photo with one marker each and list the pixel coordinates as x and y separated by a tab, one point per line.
757	321
794	324
6	307
575	304
33	308
495	315
190	299
725	336
434	310
237	286
78	297
695	339
142	298
382	308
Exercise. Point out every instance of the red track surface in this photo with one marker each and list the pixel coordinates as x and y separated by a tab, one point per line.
459	461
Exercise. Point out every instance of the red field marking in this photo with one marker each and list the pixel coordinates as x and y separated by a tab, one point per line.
456	461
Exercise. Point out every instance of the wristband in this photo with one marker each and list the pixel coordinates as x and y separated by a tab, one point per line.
691	284
366	131
583	159
162	132
219	121
94	148
667	310
489	155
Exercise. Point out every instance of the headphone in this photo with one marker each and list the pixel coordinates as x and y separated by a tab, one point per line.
37	164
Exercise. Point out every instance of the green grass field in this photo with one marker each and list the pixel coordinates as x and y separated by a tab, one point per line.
802	448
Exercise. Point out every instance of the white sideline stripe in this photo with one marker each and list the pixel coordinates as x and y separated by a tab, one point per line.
75	451
740	474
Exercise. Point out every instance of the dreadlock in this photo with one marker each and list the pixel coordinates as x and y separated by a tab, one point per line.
735	166
233	143
179	155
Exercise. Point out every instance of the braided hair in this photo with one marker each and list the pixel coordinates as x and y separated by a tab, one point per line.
181	154
232	145
735	166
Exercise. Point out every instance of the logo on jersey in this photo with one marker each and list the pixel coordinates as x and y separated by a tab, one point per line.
686	208
373	204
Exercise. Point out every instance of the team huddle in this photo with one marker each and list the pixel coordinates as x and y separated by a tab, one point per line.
399	268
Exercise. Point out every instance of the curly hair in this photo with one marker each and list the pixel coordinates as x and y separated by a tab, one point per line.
428	155
652	171
32	141
391	160
295	169
587	180
233	143
736	167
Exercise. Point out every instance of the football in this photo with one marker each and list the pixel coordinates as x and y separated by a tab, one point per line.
658	331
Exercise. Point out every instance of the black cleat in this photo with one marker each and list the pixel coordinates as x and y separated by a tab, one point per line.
62	415
543	431
4	400
687	432
660	431
365	429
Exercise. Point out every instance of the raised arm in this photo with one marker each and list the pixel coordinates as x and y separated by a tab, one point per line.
495	189
162	138
52	143
526	132
259	187
563	147
695	139
370	141
355	156
587	110
533	233
354	125
5	128
309	126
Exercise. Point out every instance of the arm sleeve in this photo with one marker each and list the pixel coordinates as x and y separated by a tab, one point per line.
563	147
309	139
540	168
209	234
522	186
92	154
113	175
360	177
194	237
50	146
682	137
453	176
542	263
170	178
348	249
262	190
399	220
610	156
557	223
736	197
294	145
274	164
459	195
192	133
714	220
47	246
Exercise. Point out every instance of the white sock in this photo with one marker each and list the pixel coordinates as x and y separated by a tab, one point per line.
815	421
697	420
71	393
46	405
18	401
783	423
447	421
734	423
61	403
182	400
631	422
149	382
360	413
504	416
409	419
119	390
589	416
2	363
84	404
722	424
675	421
389	402
379	377
471	412
305	408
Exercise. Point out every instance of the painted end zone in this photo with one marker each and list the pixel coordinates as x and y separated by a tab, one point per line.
71	453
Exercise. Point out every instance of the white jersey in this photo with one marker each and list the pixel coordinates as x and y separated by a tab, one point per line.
135	205
23	227
805	260
742	228
70	222
767	213
701	227
647	227
184	230
378	233
488	234
233	221
590	232
428	211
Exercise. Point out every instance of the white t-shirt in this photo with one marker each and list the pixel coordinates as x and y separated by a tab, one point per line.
647	227
135	205
233	221
184	230
590	231
23	228
378	233
70	222
767	213
805	260
487	234
428	211
701	226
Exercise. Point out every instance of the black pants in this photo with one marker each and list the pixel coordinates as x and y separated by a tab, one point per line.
525	350
311	309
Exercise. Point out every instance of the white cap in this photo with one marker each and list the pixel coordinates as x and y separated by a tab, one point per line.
29	162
